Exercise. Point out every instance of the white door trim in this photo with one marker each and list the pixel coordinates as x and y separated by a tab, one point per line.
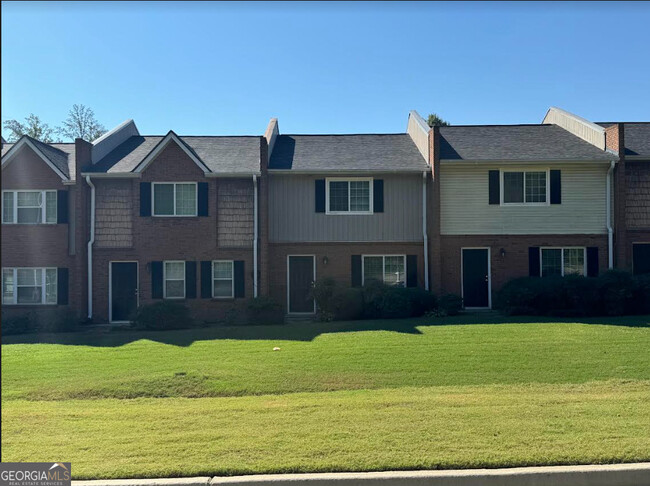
288	284
489	269
110	288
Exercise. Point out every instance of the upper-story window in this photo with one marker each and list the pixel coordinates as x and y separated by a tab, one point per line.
524	187
349	195
174	199
29	207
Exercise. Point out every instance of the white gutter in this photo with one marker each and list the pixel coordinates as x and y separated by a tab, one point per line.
425	238
255	236
610	231
90	247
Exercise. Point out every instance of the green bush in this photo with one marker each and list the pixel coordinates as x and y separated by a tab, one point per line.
17	325
264	311
334	302
642	298
449	305
617	291
162	315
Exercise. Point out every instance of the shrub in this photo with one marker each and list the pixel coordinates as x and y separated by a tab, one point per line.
422	301
65	321
162	315
17	325
347	304
617	291
264	310
449	305
642	298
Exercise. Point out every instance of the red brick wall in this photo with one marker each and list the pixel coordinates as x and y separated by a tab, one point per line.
43	245
339	261
515	262
171	238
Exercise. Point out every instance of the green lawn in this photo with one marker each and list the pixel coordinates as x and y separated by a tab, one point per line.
422	393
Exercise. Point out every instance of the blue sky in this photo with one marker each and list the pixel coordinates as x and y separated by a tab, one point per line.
221	68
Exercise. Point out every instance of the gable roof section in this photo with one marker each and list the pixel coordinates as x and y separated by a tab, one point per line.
59	157
340	153
637	138
218	155
515	143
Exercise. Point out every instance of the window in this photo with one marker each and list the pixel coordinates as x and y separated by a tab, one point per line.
349	196
174	280
389	269
174	199
29	207
223	282
29	286
524	188
562	261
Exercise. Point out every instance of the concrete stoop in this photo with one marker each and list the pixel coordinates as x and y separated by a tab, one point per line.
592	475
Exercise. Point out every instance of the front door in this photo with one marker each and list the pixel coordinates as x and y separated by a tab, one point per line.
300	276
476	277
124	290
641	258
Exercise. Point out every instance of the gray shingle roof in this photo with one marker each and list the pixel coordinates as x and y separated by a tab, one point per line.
61	155
637	137
515	142
395	152
229	155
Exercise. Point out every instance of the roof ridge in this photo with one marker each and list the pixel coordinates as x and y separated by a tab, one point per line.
338	134
501	125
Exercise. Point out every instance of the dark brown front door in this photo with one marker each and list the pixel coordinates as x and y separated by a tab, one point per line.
476	279
124	290
301	277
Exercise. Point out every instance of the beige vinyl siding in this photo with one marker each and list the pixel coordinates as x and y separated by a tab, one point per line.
465	209
292	217
114	214
235	215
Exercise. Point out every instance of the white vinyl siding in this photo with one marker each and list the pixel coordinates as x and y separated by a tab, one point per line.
223	279
174	198
174	280
29	207
29	286
388	269
465	208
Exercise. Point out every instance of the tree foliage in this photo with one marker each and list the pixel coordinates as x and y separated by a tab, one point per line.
81	123
33	126
435	121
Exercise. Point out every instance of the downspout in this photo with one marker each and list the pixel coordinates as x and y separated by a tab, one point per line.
255	236
425	238
610	231
90	247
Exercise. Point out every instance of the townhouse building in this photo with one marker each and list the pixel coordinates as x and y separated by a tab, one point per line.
98	229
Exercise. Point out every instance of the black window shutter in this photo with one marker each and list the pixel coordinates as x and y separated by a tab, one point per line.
495	192
202	198
533	261
156	280
378	195
62	286
355	264
592	261
556	187
145	199
240	282
190	280
411	270
319	192
206	280
62	207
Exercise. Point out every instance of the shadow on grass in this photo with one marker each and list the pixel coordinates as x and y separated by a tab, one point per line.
305	331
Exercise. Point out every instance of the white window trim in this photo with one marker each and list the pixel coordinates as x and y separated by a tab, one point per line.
584	257
15	209
43	285
548	188
363	268
348	180
232	278
173	279
153	205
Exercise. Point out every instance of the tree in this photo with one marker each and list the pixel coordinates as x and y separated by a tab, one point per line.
435	121
81	123
33	127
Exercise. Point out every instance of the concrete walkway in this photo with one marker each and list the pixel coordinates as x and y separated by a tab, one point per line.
594	475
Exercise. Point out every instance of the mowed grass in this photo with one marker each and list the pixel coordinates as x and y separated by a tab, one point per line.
377	395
